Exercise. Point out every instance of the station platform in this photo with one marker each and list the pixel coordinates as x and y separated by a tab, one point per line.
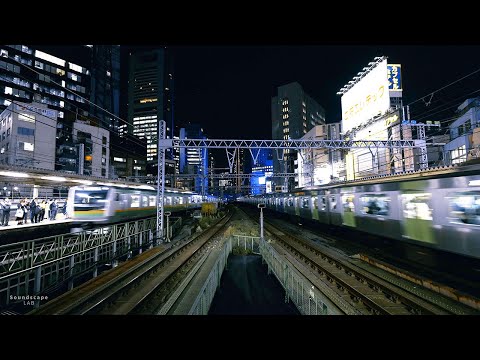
13	233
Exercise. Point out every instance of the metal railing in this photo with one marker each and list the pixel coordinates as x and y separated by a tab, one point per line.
249	244
29	267
307	297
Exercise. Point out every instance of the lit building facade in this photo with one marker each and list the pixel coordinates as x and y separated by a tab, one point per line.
67	79
320	166
262	170
294	113
194	161
371	105
93	145
24	131
128	157
464	141
150	100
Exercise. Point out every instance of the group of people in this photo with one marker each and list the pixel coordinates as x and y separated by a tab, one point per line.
37	209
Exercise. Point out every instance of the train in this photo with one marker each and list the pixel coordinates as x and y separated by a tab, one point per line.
433	208
98	204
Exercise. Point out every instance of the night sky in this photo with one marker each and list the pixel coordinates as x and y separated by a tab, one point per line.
228	89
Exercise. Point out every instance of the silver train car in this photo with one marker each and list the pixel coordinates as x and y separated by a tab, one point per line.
438	209
110	204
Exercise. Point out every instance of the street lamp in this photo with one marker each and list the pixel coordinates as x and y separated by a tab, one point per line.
261	206
167	214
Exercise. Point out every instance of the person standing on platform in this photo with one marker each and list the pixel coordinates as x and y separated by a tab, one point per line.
19	213
33	209
43	206
65	210
25	210
53	209
2	205
6	211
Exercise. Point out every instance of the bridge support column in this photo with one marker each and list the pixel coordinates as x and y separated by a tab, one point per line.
70	272
37	286
95	260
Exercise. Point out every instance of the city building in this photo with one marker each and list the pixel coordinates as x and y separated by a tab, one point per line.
128	157
371	110
462	144
68	80
194	161
320	166
262	171
150	100
93	145
28	135
294	113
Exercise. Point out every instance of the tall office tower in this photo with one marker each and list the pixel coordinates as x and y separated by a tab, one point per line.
150	99
61	77
194	161
106	85
294	113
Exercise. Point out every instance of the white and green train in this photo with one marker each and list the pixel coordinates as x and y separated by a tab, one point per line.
116	203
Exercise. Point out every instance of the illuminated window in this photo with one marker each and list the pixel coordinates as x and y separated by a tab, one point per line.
464	207
25	146
50	58
348	204
152	201
75	67
119	159
417	206
375	204
135	201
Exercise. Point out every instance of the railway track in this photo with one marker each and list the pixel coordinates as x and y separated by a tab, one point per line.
140	286
365	292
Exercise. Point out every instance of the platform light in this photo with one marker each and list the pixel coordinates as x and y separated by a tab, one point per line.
105	184
14	174
53	178
83	182
474	183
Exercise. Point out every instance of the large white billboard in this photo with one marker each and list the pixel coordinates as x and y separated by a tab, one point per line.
367	98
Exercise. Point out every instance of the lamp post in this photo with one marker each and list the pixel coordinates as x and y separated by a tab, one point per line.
261	206
167	214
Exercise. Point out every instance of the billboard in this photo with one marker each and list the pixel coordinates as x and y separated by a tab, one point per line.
367	98
394	77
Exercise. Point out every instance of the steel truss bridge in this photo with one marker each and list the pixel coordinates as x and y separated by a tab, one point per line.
279	145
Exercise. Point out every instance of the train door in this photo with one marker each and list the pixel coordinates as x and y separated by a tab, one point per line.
315	206
417	216
348	206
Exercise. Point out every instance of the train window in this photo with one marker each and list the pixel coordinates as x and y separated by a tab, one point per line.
417	206
167	200
90	196
144	201
306	202
347	202
464	207
323	205
135	201
117	196
290	201
375	204
152	201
